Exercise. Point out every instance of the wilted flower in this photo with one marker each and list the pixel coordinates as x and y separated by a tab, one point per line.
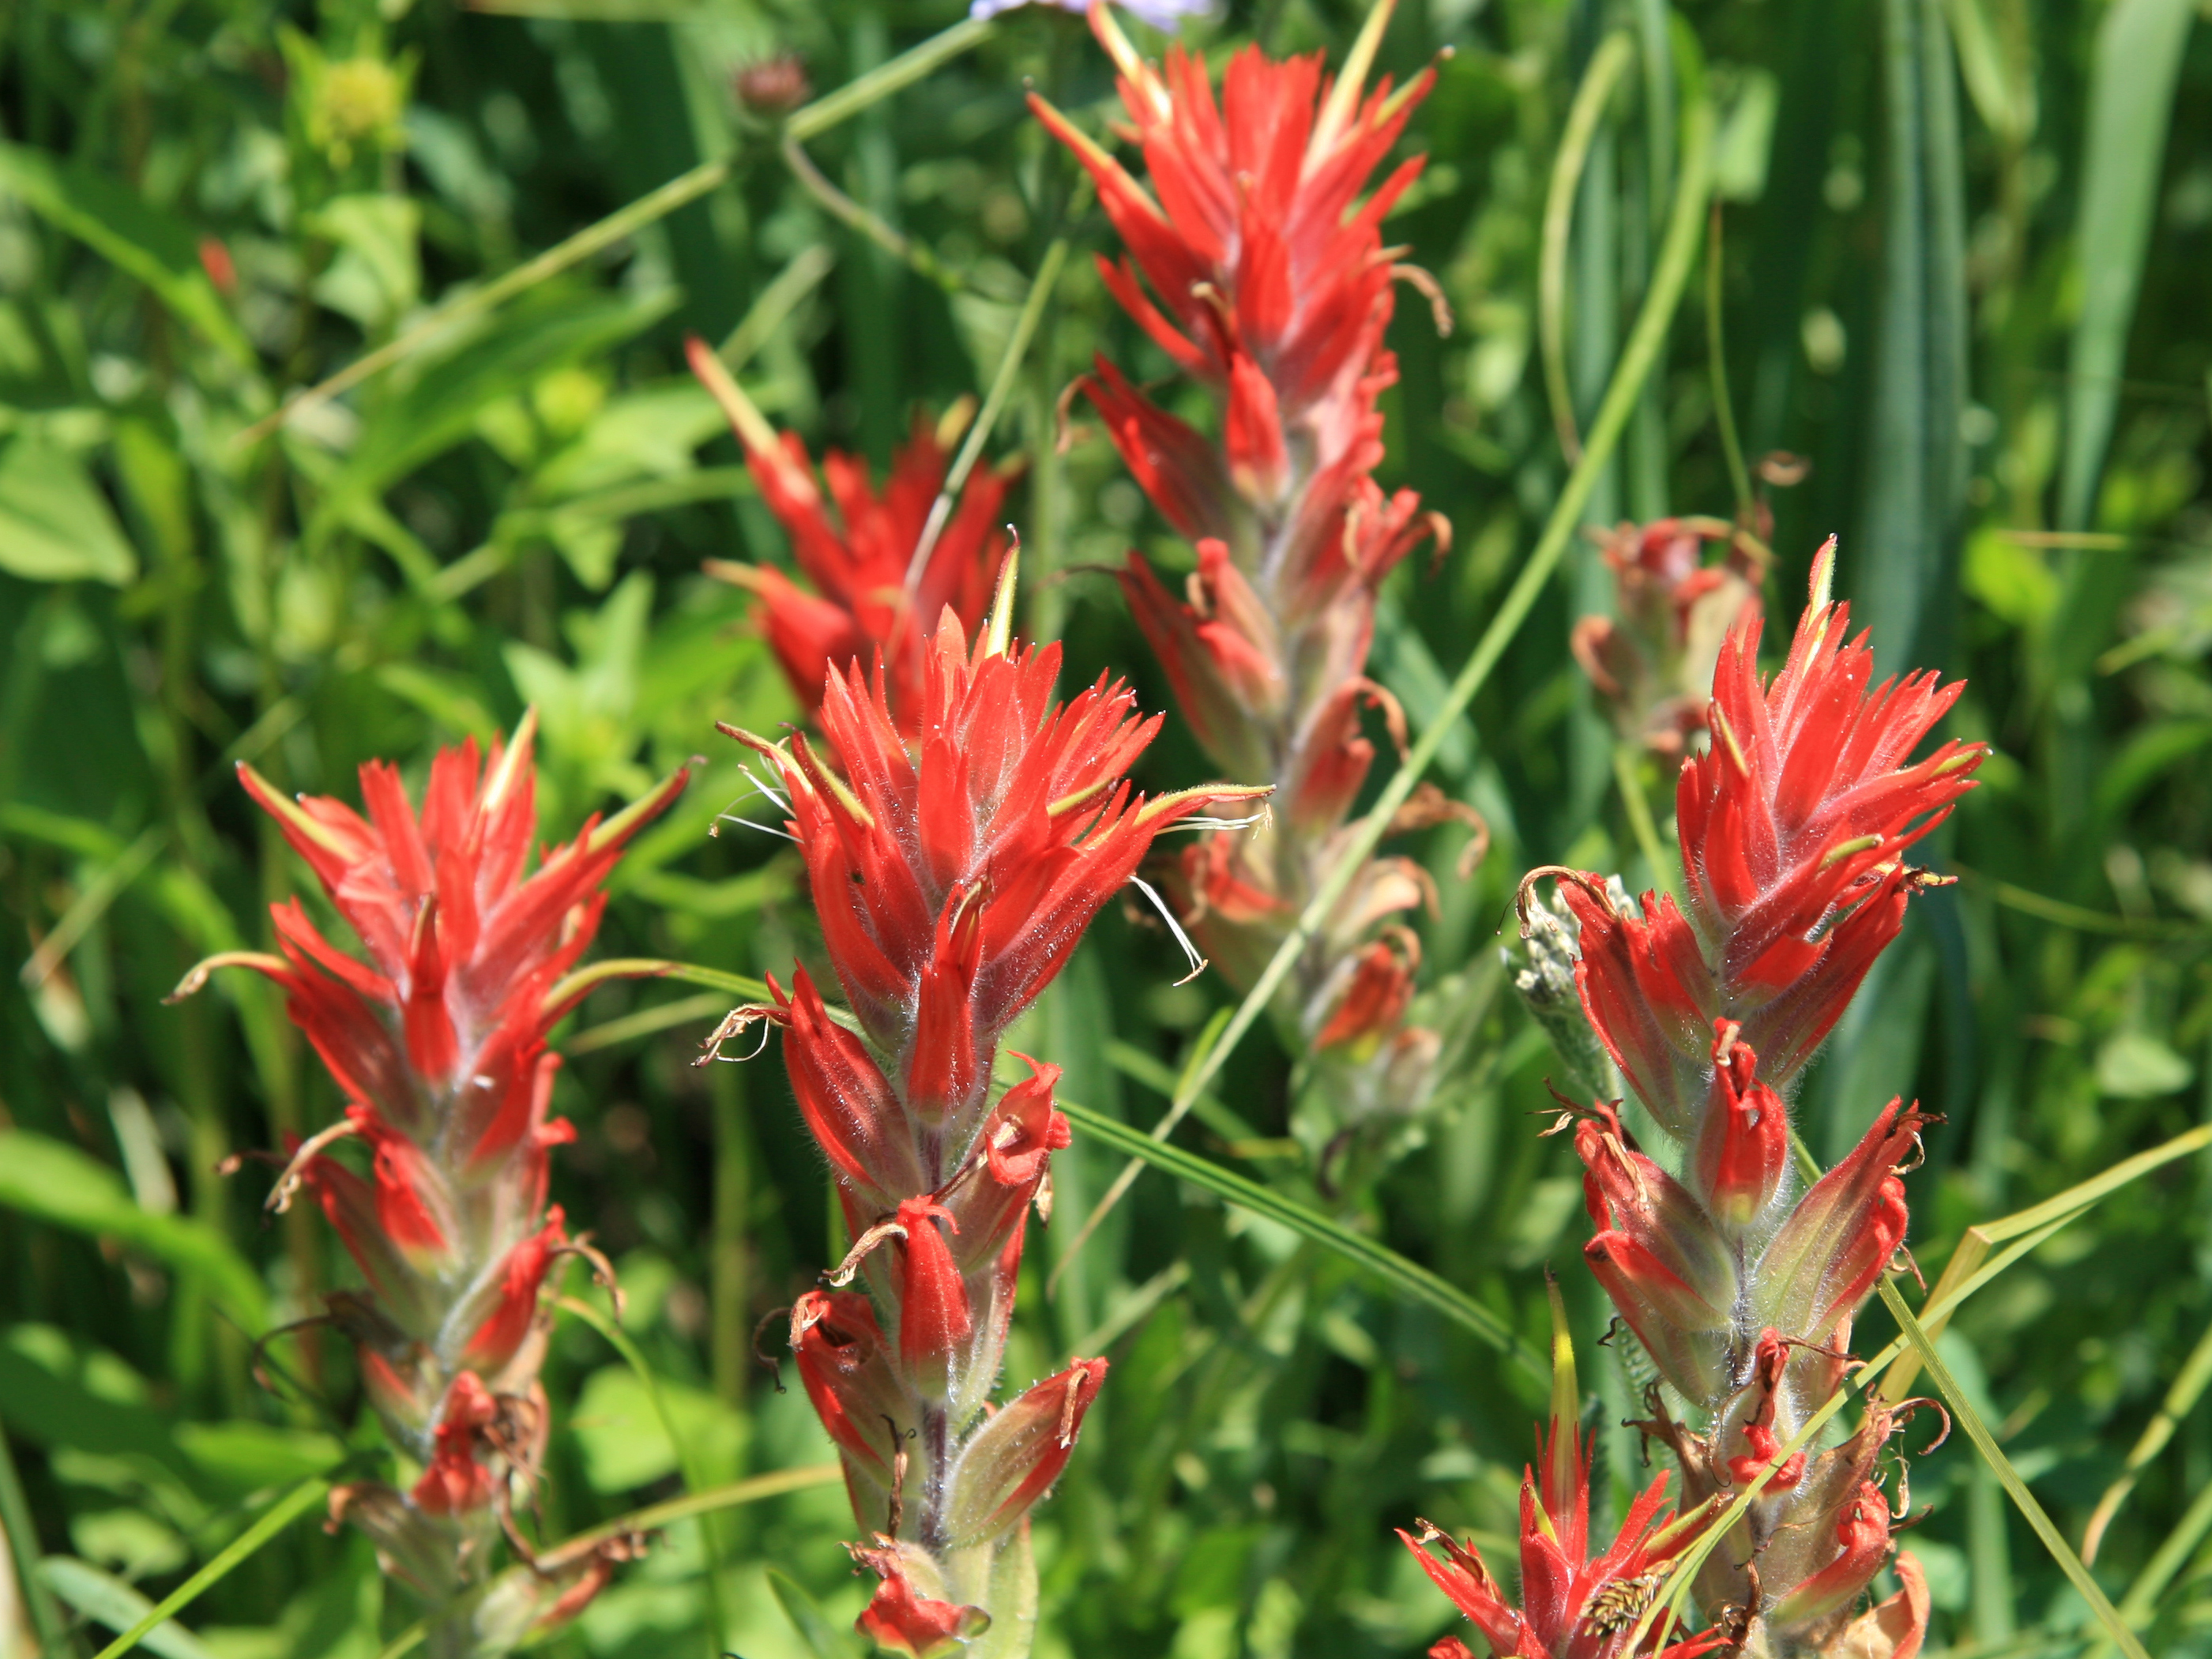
774	85
953	871
857	548
438	1041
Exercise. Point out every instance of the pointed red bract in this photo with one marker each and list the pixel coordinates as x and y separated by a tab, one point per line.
855	547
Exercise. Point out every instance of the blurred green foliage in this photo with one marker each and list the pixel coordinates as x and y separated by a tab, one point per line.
1962	273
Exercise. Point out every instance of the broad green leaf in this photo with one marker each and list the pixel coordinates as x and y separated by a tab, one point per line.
437	408
105	215
628	1443
378	273
55	525
155	1619
55	1183
2138	60
62	1395
246	1456
105	1599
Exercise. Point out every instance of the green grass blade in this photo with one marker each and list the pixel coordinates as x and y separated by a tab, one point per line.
2138	60
1408	1279
880	82
2180	1400
1905	575
708	1500
1968	1418
994	401
1607	65
619	1340
279	1515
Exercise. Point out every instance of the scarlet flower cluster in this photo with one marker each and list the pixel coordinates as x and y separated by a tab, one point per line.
439	1042
857	548
1793	827
953	873
1573	1605
1653	661
1254	265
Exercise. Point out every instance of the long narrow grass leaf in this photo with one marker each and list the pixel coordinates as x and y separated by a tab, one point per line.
1408	1279
277	1517
1607	65
2138	61
1968	1418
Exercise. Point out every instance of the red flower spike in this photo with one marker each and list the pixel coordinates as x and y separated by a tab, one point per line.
439	1042
1376	993
854	547
1256	264
1015	1458
1769	1363
954	864
1743	1145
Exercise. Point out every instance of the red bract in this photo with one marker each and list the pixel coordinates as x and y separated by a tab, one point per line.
438	1041
1653	662
1793	829
954	867
857	547
1573	1605
1255	263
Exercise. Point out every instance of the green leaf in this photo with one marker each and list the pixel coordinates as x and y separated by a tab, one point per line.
55	1183
107	1599
55	525
1408	1279
439	407
2138	61
1963	1412
1904	574
247	1456
104	214
153	1621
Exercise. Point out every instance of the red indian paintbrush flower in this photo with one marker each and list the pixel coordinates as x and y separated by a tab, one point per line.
1793	827
1573	1605
954	868
857	548
1255	263
439	1042
1653	662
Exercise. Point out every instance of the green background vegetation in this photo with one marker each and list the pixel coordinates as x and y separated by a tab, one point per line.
1962	273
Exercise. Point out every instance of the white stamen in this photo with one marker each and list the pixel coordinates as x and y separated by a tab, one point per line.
1189	951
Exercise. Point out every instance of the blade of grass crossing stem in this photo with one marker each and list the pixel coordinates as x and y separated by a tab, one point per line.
279	1515
2138	61
1677	254
1899	1362
707	1501
2180	1400
1002	385
818	117
1904	579
1607	65
1409	1278
619	1339
1993	1454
